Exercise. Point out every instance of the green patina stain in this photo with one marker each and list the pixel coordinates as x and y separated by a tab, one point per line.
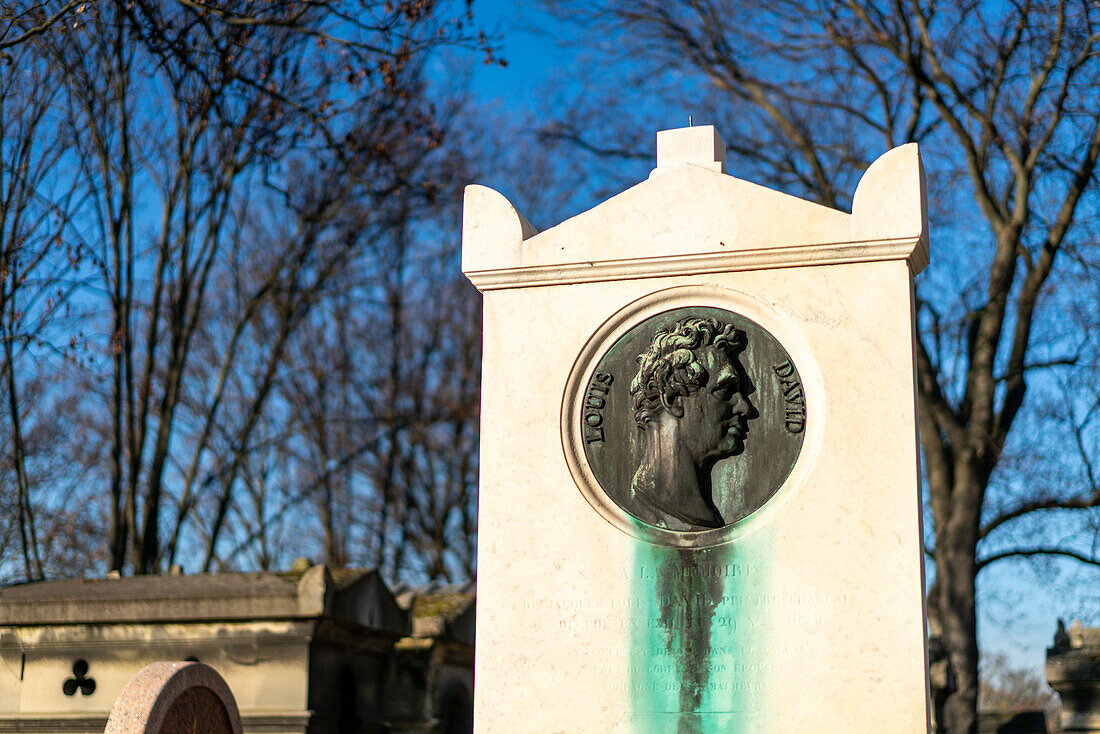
693	640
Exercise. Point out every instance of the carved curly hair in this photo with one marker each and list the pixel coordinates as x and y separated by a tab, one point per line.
670	366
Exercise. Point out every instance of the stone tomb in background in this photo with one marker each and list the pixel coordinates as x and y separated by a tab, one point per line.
699	500
1073	670
310	649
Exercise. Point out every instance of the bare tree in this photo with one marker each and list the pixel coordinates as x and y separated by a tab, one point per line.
233	160
37	276
1002	99
1007	689
425	402
190	167
384	395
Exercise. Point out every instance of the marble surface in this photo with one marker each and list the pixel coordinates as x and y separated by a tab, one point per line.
805	616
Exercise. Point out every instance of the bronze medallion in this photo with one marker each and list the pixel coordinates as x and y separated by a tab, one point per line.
693	419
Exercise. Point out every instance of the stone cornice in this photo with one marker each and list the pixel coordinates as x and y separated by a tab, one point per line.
913	250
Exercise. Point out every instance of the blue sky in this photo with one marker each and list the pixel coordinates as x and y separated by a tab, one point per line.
527	48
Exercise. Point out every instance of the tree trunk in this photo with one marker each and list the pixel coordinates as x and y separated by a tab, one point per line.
956	569
957	615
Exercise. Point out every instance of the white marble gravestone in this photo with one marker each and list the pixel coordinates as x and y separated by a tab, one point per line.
699	501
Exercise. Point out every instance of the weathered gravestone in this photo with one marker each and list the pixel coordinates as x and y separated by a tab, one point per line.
175	698
699	501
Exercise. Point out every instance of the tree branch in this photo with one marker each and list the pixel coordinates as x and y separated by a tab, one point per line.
1080	502
39	29
1038	551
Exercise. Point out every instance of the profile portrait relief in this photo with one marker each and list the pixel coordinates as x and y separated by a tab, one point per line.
689	421
691	411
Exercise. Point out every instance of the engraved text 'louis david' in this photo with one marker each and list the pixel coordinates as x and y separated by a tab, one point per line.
594	402
690	421
795	408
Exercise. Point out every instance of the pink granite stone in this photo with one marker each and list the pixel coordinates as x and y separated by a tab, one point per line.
175	698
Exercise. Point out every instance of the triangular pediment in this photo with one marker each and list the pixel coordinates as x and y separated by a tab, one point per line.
686	210
689	218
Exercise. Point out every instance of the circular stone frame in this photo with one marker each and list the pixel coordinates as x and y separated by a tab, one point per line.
615	328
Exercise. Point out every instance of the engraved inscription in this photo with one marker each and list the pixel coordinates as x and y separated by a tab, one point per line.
594	403
794	411
747	655
703	570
